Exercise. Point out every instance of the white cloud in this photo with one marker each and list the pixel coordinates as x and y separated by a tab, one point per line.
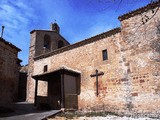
17	16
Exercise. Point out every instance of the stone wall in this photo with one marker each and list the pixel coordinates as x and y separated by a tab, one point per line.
130	83
30	81
54	39
87	59
9	73
37	49
141	50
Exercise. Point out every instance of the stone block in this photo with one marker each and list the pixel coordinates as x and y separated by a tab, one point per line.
134	94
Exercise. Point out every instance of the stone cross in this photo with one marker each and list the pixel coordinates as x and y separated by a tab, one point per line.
96	75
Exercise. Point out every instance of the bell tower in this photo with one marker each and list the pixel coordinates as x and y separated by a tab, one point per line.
42	42
55	27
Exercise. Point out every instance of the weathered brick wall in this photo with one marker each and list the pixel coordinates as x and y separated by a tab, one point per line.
141	49
130	83
9	73
87	59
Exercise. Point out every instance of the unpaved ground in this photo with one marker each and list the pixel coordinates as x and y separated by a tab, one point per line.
101	115
109	117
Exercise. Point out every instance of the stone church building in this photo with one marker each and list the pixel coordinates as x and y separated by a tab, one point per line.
116	71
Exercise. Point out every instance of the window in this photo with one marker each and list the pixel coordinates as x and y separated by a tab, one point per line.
47	42
55	27
45	68
60	44
105	55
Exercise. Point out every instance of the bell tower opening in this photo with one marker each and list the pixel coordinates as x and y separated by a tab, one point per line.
55	27
60	44
47	42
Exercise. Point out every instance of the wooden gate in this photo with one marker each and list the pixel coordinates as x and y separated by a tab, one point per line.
70	92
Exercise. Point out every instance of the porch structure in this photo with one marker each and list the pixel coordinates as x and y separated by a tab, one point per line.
62	91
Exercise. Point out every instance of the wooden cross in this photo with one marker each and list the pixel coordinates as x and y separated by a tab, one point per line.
96	75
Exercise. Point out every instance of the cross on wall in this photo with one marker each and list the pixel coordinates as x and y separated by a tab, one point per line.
96	75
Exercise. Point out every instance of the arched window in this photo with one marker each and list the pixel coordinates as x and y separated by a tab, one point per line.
47	42
60	44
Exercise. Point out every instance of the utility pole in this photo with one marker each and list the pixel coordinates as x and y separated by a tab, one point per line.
2	31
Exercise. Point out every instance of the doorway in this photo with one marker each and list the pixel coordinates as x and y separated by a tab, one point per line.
63	89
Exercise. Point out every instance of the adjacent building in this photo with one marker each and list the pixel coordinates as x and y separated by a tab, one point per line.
9	72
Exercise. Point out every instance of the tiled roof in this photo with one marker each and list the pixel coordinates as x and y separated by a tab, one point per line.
81	43
10	44
139	11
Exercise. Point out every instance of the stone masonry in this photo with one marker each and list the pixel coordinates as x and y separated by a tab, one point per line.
38	36
131	80
9	72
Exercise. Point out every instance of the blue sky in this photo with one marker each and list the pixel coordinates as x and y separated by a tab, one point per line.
78	19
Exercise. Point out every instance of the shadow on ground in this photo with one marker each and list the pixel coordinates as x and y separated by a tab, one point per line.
24	110
19	108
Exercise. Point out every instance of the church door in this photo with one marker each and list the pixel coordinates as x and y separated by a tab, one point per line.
71	92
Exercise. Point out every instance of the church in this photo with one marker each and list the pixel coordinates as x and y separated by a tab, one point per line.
116	71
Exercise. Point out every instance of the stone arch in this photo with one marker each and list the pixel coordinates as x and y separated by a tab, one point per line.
60	44
47	42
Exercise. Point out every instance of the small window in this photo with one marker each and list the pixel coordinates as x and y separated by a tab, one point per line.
105	55
45	68
60	44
